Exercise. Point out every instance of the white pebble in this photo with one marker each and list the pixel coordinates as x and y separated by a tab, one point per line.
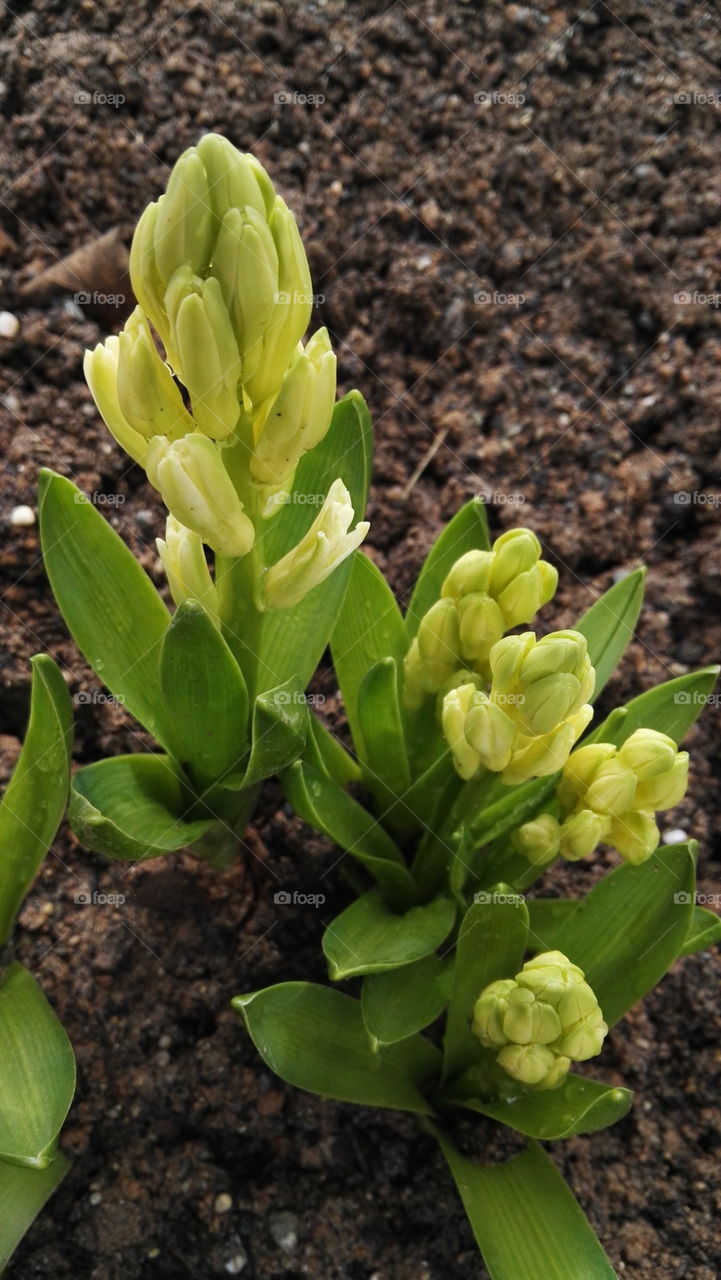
9	325
223	1203
676	836
237	1263
22	517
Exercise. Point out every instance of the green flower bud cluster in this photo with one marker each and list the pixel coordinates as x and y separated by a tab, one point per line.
222	281
610	793
536	709
484	595
540	1021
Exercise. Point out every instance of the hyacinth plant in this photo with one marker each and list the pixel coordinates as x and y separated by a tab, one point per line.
37	1067
475	768
210	389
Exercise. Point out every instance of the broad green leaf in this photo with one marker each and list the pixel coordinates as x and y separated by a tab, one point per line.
23	1192
400	1002
369	627
491	941
133	807
382	740
368	938
467	531
325	752
670	708
609	625
36	796
526	1220
205	695
514	806
704	931
280	726
545	917
111	607
37	1072
314	1038
579	1106
293	640
629	929
326	807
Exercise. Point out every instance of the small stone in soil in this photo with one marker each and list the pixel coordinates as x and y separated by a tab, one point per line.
9	325
284	1230
22	517
676	836
223	1203
237	1263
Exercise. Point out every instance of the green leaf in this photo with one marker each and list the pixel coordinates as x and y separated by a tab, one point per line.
325	752
467	531
369	627
368	938
629	929
491	942
23	1192
609	625
400	1002
37	1071
546	916
515	806
704	931
670	708
280	726
526	1220
36	796
579	1106
206	697
314	1038
380	721
111	607
318	801
293	640
133	807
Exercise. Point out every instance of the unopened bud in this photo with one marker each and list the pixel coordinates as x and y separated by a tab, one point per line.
580	834
470	573
326	544
456	706
186	568
666	789
148	395
198	491
539	839
612	789
635	835
299	416
491	733
648	753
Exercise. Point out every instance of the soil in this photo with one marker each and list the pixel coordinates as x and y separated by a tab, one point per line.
523	287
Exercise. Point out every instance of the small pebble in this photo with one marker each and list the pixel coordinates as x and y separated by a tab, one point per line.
237	1263
284	1230
9	325
22	517
336	188
223	1203
676	836
96	1198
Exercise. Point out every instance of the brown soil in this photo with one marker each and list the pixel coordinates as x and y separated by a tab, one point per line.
594	399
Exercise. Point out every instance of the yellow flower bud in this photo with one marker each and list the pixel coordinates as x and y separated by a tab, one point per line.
635	835
648	753
539	839
541	756
186	568
456	706
490	1010
470	573
299	416
533	1064
149	398
666	789
580	769
490	732
293	305
581	832
549	975
182	232
530	1021
513	554
612	788
326	544
198	491
481	626
206	351
101	373
439	642
235	179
